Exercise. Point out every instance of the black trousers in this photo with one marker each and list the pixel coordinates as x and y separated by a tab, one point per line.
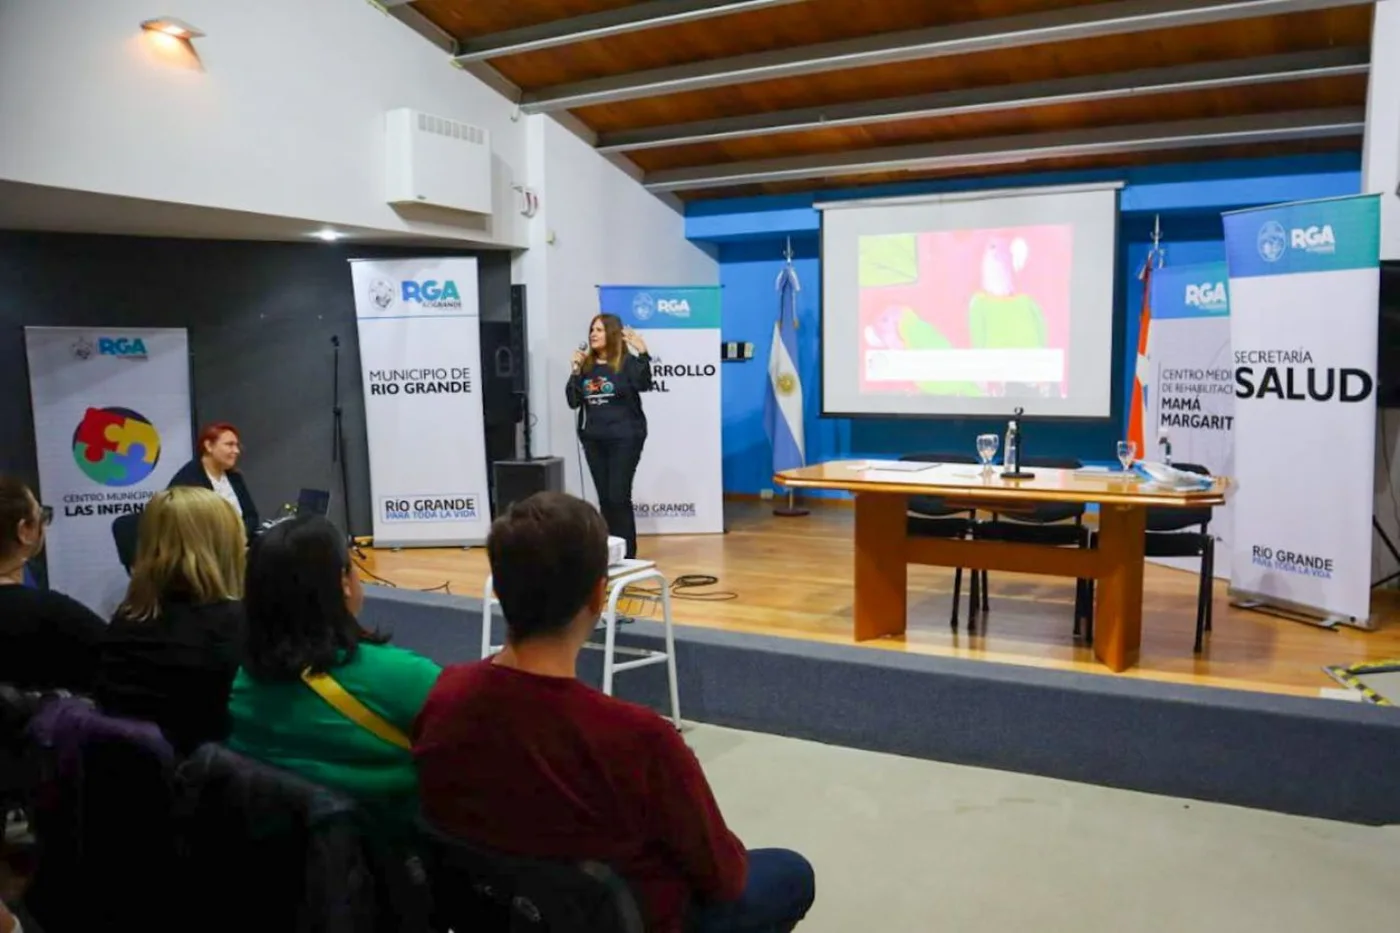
613	463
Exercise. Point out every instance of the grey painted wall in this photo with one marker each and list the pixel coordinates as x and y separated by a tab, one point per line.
260	316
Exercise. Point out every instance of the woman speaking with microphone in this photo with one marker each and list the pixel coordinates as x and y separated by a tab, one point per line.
605	386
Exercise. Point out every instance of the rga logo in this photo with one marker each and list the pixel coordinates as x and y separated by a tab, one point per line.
676	307
381	294
431	294
1272	241
1209	296
643	306
663	509
126	348
1319	240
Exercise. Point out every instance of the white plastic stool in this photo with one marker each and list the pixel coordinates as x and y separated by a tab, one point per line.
619	578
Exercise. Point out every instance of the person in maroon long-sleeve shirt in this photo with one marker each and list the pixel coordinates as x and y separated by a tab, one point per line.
516	755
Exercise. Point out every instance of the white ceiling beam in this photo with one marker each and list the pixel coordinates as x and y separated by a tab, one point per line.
1091	89
1065	25
1012	150
635	17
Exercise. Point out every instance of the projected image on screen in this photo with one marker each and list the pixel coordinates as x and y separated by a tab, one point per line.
967	313
970	304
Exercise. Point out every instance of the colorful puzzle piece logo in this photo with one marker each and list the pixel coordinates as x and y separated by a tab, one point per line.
116	446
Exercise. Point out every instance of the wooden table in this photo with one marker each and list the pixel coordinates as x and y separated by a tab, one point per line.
884	548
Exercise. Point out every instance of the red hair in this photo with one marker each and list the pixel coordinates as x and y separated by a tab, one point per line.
211	433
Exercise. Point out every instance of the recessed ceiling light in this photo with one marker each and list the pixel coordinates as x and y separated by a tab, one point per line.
170	26
329	235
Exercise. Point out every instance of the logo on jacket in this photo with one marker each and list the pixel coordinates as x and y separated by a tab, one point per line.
116	446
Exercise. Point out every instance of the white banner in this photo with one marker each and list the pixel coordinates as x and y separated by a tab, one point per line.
420	357
1304	293
1191	400
679	487
112	425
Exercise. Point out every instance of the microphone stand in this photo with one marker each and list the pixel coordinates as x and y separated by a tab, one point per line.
338	447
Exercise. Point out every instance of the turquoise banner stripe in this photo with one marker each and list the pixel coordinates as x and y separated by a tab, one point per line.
662	306
1200	290
1310	236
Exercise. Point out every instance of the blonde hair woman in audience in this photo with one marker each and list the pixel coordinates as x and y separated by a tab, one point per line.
172	649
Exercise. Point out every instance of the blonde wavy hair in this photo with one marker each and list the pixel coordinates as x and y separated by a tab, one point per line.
192	546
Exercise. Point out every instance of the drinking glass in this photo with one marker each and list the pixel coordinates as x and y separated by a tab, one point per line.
987	449
1127	451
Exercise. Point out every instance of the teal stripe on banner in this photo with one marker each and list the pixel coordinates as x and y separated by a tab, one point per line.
1310	236
662	306
1199	290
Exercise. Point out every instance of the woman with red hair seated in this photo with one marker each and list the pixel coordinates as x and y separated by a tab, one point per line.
216	455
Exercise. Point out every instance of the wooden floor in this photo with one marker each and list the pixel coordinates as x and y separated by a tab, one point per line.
792	578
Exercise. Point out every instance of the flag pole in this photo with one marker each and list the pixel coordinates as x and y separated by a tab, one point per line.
791	510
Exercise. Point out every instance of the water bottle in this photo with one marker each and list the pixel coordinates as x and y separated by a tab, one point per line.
1165	442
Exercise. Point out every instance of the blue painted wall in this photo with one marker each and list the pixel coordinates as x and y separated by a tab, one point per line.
750	234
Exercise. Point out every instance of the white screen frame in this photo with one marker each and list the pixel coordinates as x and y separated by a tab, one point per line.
1094	332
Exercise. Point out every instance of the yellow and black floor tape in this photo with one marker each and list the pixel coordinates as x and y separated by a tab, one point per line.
1350	676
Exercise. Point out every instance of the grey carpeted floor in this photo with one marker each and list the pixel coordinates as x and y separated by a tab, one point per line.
903	845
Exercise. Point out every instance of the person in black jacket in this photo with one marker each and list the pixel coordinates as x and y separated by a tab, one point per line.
219	448
48	641
172	649
605	387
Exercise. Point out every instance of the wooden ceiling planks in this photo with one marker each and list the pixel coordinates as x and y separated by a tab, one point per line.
1299	32
1349	90
780	27
1127	160
472	19
817	21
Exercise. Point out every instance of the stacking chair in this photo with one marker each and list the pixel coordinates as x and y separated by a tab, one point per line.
1170	534
931	517
529	895
1048	523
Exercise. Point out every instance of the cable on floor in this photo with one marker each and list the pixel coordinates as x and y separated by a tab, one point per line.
681	587
445	587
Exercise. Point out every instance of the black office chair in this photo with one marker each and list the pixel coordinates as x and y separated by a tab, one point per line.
932	517
1168	536
534	895
125	530
1059	524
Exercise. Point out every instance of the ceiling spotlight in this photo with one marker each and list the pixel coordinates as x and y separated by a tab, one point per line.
329	235
170	26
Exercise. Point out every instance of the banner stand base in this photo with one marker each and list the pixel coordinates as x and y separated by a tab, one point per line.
1293	612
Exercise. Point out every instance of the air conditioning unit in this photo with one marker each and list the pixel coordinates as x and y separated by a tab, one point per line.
437	161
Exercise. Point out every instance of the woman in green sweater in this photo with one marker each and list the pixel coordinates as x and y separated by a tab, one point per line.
317	694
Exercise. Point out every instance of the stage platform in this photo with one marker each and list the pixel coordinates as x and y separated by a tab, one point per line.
1307	756
792	578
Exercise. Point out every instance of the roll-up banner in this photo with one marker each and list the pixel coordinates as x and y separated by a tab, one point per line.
420	358
1191	401
1304	294
112	425
679	486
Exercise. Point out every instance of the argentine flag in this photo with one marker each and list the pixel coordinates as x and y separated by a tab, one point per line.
782	413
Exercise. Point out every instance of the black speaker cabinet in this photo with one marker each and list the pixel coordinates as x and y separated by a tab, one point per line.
521	479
